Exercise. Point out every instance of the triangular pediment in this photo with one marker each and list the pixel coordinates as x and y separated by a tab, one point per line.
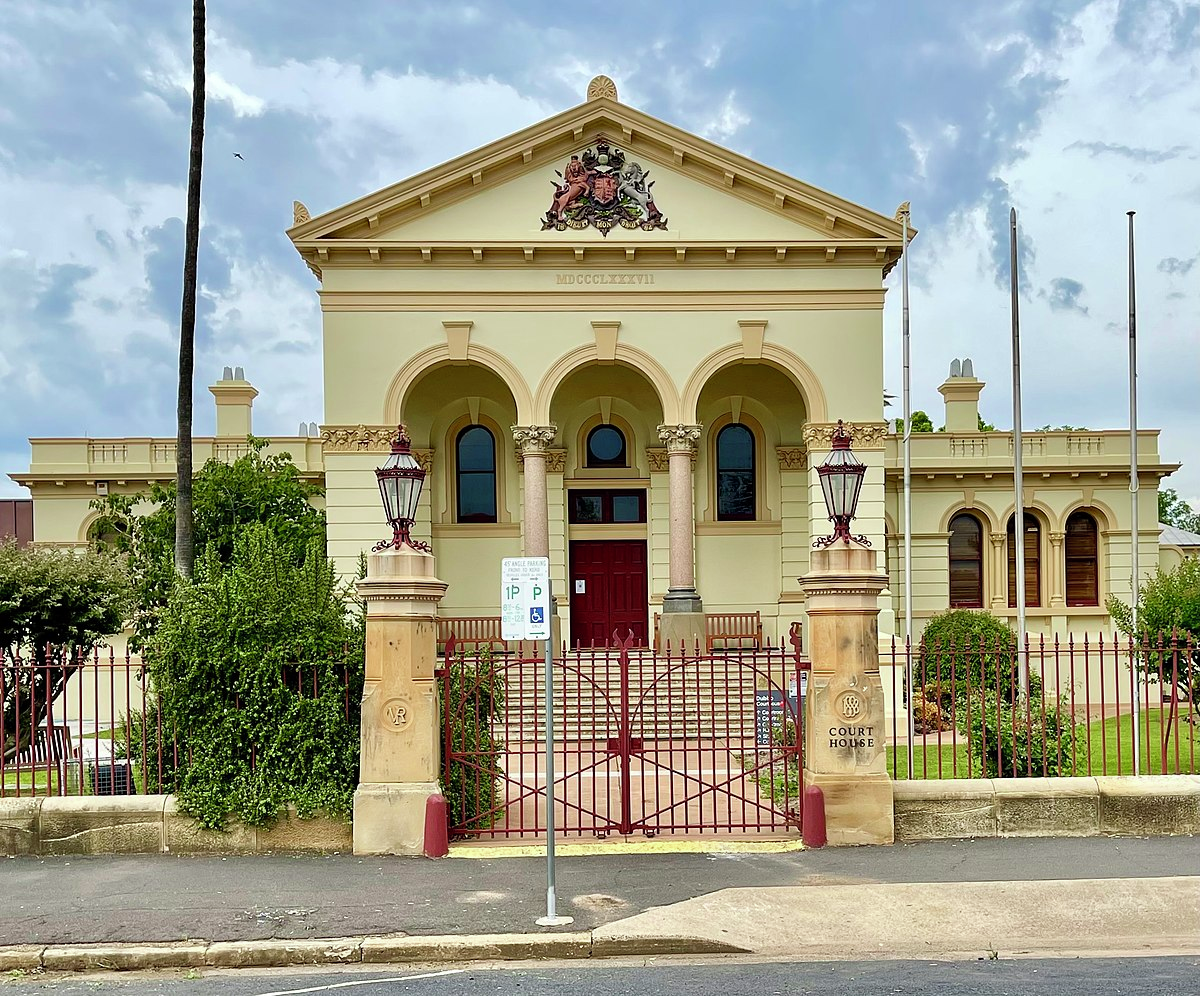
500	194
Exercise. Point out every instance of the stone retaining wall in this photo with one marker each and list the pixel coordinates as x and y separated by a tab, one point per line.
1150	806
925	810
151	824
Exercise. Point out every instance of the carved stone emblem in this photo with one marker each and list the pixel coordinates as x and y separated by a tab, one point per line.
600	189
850	705
396	714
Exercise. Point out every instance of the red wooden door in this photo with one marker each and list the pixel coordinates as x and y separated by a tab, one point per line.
612	575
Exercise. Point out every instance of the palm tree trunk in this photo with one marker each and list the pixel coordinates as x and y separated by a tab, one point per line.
184	538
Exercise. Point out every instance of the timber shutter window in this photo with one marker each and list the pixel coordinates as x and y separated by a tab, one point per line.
1082	575
1033	563
966	562
475	474
736	494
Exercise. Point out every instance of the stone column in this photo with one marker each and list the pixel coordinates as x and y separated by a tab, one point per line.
683	610
845	752
999	572
1058	570
400	760
532	442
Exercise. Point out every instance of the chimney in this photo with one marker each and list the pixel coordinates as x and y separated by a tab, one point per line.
235	397
961	391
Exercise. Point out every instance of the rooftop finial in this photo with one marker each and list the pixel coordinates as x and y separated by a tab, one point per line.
602	86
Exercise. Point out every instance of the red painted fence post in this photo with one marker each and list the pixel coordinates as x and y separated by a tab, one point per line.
813	819
437	827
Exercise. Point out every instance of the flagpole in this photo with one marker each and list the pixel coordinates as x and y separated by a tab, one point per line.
1133	497
1018	470
908	616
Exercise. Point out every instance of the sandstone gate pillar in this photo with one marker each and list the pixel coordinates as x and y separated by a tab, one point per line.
400	759
845	750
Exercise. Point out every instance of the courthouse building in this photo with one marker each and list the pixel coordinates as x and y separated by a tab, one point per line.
626	348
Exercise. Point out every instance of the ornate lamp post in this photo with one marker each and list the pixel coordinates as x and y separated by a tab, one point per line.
400	481
841	480
398	807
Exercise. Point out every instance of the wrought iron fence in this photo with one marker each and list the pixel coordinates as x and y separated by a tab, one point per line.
77	722
1044	708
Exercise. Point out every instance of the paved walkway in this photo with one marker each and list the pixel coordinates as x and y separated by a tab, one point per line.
929	898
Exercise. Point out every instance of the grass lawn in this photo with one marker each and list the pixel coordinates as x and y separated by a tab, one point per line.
1101	742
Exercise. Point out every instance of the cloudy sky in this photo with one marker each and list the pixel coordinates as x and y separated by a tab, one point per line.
1072	111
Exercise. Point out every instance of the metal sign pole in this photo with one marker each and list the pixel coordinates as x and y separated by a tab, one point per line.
551	919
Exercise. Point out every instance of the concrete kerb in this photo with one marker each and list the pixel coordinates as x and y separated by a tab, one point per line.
345	951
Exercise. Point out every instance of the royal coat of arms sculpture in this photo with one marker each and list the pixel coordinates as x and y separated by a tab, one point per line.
600	189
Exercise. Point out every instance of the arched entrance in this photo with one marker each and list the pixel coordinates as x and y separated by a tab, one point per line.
607	417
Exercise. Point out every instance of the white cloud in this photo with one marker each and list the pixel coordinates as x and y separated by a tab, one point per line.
1072	205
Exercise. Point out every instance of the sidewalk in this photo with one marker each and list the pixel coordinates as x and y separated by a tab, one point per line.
941	897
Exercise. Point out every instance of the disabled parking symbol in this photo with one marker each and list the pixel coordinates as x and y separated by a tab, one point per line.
536	615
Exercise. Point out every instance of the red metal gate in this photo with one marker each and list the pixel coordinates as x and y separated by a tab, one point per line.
645	743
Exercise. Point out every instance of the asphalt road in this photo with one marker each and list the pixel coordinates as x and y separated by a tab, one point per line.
163	897
1110	976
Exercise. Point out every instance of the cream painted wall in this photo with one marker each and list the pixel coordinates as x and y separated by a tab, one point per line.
513	209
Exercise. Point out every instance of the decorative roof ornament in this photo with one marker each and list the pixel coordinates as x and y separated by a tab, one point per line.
600	189
902	211
300	213
602	86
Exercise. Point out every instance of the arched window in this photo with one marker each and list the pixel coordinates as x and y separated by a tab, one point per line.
966	562
606	447
475	470
1033	562
736	494
1083	587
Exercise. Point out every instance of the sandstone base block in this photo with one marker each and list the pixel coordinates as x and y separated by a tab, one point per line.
318	834
1150	806
858	808
1047	807
100	825
953	807
19	826
389	818
184	835
682	629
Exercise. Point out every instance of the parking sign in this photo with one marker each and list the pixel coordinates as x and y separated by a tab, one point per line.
525	598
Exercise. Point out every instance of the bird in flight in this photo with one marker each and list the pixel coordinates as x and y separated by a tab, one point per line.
238	155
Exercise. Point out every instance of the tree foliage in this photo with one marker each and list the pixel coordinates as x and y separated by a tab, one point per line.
1167	625
1174	511
920	422
963	651
54	605
227	497
258	669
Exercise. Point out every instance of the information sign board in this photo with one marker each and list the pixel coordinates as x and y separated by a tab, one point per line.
525	598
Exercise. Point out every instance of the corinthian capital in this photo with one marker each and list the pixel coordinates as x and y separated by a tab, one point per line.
533	438
679	438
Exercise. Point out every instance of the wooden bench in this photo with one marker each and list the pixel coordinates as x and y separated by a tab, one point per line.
470	632
51	747
727	630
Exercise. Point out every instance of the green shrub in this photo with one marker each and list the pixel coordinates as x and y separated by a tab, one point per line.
1020	742
964	650
471	779
258	669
